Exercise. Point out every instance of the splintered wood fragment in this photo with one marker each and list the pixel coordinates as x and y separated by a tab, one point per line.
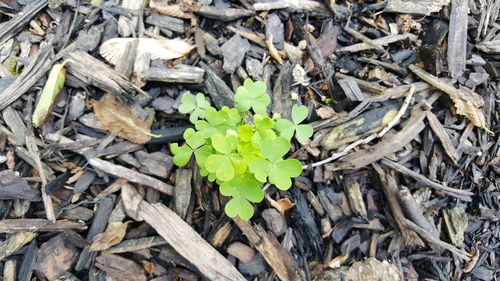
182	191
131	175
267	245
352	90
418	7
390	188
15	242
94	72
178	74
170	23
133	245
223	14
31	74
21	19
28	262
14	187
292	6
466	101
181	236
363	38
384	41
272	50
389	66
16	124
282	102
490	47
457	37
443	136
257	38
10	270
234	51
220	93
40	225
355	196
461	194
367	86
414	212
120	268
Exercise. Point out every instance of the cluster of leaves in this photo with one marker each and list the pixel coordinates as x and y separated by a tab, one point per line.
241	155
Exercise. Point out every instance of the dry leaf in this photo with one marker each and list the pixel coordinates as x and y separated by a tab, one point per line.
166	49
117	118
282	205
164	8
113	235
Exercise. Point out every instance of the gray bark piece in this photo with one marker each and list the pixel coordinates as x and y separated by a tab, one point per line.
457	37
234	51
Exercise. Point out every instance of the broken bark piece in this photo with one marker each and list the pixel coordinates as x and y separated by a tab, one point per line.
234	51
16	125
178	74
157	163
15	242
442	135
282	92
55	257
223	14
28	262
114	234
182	191
170	23
14	187
457	38
267	245
371	87
39	225
276	31
384	41
490	47
414	212
120	268
456	222
132	245
94	72
275	221
364	125
327	41
352	90
181	236
220	93
417	7
355	196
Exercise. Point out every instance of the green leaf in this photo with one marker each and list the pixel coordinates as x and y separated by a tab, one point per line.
221	166
285	127
281	173
243	186
260	167
252	95
201	102
245	132
224	144
195	106
303	132
274	149
201	154
214	117
188	103
50	91
194	139
239	207
299	113
182	154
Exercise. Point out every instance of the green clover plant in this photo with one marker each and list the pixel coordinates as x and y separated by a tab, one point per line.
238	154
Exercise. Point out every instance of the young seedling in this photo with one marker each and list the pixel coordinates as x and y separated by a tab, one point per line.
239	155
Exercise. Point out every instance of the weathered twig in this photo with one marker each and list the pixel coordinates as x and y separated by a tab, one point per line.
19	225
384	41
18	22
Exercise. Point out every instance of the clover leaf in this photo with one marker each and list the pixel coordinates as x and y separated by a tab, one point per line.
243	189
221	166
195	106
287	128
252	95
273	166
194	143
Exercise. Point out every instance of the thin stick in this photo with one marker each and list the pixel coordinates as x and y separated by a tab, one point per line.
371	137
